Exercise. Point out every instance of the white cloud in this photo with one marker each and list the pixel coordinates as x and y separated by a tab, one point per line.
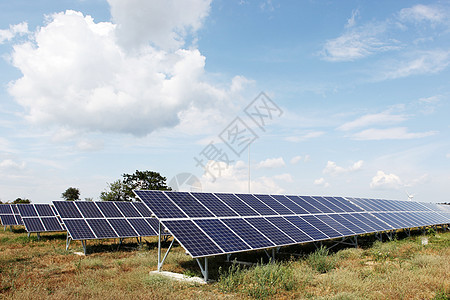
9	164
421	13
352	21
234	179
164	24
77	77
321	182
271	163
284	177
296	159
358	43
425	62
13	31
397	133
333	169
373	119
386	181
90	145
448	155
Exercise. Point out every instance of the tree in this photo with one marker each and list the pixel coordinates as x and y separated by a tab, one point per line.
122	190
71	194
21	201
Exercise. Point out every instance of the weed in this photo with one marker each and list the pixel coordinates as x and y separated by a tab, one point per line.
321	261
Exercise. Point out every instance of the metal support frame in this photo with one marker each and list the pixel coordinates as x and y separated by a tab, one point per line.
161	262
349	240
83	243
408	231
318	244
203	269
68	239
38	234
390	234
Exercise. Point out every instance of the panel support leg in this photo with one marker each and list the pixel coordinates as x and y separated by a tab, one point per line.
228	257
68	239
204	269
83	243
161	261
38	235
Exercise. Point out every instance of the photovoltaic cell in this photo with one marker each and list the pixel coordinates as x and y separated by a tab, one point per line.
142	227
158	203
109	209
39	218
189	205
51	224
290	204
44	210
79	229
289	229
314	202
270	231
5	209
256	204
330	232
305	205
329	204
249	234
89	209
101	228
143	210
123	228
309	229
223	236
33	224
9	215
275	205
336	225
67	209
8	220
192	238
128	209
350	225
237	204
27	210
214	204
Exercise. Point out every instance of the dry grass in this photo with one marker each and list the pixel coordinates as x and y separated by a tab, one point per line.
402	269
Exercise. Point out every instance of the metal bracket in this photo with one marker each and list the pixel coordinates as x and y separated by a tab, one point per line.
161	262
83	243
203	269
68	239
350	240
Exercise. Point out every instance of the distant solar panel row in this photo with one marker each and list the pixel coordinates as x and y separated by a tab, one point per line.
208	224
9	215
99	220
39	218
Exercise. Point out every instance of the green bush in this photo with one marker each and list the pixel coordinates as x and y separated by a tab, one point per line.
321	261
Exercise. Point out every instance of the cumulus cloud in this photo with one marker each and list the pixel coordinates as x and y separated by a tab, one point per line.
234	179
397	133
321	182
296	159
164	24
284	177
386	181
271	163
9	164
333	169
77	76
13	31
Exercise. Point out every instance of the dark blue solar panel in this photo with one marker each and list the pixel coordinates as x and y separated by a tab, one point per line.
123	228
223	236
394	222
33	224
358	222
89	209
329	204
109	209
316	204
275	205
27	210
237	204
192	238
143	210
352	207
338	202
18	220
330	232
250	235
305	205
79	229
336	225
290	204
128	209
158	203
312	231
378	223
44	210
256	204
142	227
270	231
292	231
215	205
189	205
101	228
51	224
14	209
67	209
8	220
5	209
353	224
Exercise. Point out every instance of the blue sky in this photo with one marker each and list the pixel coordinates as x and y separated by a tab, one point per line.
90	90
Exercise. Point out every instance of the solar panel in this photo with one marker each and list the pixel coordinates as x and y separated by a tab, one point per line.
39	218
215	223
102	220
9	215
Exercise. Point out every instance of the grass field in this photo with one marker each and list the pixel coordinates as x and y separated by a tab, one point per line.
399	269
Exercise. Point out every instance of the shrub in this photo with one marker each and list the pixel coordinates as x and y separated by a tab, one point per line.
321	261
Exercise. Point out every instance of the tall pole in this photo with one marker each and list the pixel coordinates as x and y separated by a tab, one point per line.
249	168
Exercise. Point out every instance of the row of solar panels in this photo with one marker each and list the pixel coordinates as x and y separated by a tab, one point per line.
83	219
208	224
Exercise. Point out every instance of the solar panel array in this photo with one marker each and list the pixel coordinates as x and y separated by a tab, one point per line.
39	218
9	215
209	224
86	220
